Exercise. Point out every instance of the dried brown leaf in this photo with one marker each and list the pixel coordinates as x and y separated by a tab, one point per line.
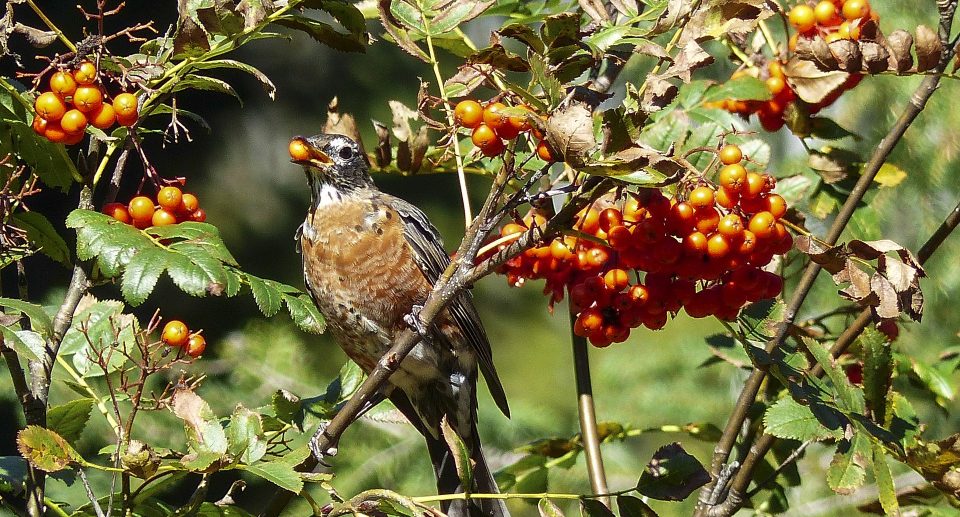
383	151
569	131
38	38
810	83
848	55
418	149
827	166
190	408
725	18
888	305
858	279
342	124
929	48
899	43
658	94
467	79
676	9
876	59
817	50
649	48
832	259
690	58
595	10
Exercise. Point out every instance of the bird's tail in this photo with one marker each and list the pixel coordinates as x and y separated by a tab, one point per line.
448	482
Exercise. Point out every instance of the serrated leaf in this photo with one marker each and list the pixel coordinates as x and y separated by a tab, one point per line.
141	274
268	300
305	314
846	473
790	420
324	33
743	88
40	321
200	255
245	436
206	83
877	372
849	396
28	344
265	81
279	473
42	235
45	449
287	406
68	420
188	276
887	490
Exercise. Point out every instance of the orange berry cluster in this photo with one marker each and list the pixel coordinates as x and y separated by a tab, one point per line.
173	206
832	19
176	333
648	256
75	101
491	127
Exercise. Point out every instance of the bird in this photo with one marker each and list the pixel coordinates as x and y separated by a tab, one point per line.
369	261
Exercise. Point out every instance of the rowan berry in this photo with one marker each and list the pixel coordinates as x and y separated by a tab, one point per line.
483	136
544	152
775	84
175	333
73	121
588	220
775	204
87	98
39	124
762	224
701	197
50	106
196	344
707	219
753	185
117	211
62	84
826	13
730	154
731	226
619	237
856	9
695	242
493	115
188	203
726	198
163	217
494	148
298	150
125	105
86	73
104	117
848	30
616	280
732	177
748	243
468	113
802	17
718	246
127	120
54	133
141	208
681	219
508	131
520	122
609	218
591	321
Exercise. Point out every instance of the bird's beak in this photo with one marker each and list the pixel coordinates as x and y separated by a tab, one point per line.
305	152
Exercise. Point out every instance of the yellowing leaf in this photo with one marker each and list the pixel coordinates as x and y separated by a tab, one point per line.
890	175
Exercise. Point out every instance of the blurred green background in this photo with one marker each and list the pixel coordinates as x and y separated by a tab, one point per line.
242	175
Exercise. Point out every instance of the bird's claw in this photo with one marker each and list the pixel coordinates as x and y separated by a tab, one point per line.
413	320
321	453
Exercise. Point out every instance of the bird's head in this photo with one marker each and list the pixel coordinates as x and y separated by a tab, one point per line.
332	160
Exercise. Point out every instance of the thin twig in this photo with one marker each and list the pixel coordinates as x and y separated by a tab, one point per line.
90	496
588	415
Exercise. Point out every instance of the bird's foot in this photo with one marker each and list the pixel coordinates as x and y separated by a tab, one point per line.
415	322
323	450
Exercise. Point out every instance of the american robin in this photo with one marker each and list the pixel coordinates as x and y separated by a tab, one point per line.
369	261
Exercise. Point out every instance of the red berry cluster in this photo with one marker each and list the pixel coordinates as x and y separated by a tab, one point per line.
648	256
831	19
176	333
491	126
74	101
172	206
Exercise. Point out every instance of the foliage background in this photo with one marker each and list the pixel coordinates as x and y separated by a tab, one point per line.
241	173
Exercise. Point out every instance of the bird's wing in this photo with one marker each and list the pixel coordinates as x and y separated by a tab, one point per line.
432	259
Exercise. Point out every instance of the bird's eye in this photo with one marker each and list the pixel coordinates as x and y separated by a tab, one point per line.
346	153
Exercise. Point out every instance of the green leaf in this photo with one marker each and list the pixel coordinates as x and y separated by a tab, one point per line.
933	380
69	420
885	485
305	314
878	368
325	33
846	473
672	474
630	506
407	15
245	435
39	320
141	274
268	299
849	396
287	407
205	83
214	276
788	419
45	449
42	235
743	88
101	326
279	473
450	18
13	473
548	509
265	81
28	344
460	452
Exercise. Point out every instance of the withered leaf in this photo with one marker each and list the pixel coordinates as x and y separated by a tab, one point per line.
817	50
36	37
870	250
690	58
634	159
730	18
383	151
659	93
876	58
426	102
832	259
190	408
848	54
418	149
676	9
569	130
649	48
858	279
827	166
810	83
467	79
888	306
595	10
342	124
929	49
899	43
